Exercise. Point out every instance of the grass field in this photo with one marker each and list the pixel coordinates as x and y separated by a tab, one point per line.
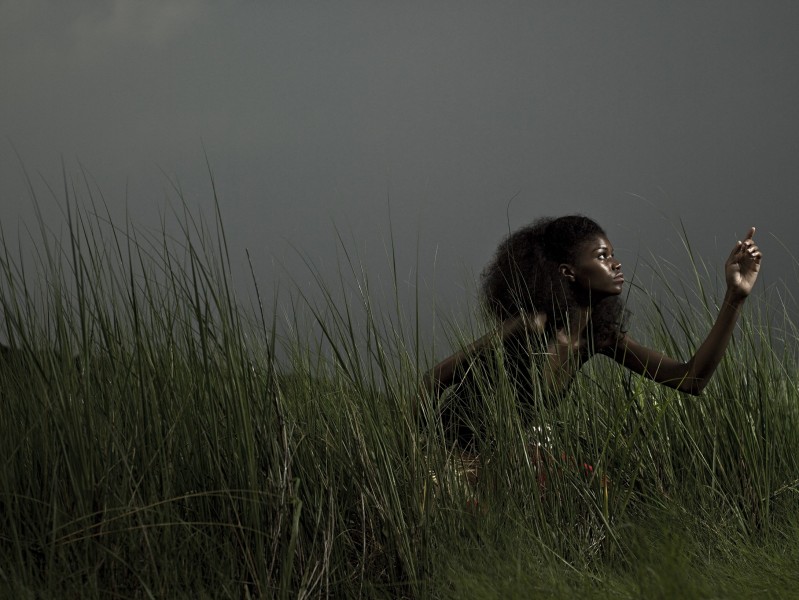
159	438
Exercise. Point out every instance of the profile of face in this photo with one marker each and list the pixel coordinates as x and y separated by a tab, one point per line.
595	269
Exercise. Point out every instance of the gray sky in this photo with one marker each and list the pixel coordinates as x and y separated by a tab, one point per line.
319	115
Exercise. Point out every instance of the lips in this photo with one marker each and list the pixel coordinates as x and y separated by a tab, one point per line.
619	278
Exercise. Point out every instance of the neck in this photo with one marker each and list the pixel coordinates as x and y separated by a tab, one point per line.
579	318
566	350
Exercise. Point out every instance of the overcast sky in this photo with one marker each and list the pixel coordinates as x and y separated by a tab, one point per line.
465	118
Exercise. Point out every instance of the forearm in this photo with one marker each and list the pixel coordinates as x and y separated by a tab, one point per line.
691	376
702	365
442	375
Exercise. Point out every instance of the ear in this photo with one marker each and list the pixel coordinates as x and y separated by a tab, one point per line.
567	272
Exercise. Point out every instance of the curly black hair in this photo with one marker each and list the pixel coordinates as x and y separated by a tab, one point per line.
524	278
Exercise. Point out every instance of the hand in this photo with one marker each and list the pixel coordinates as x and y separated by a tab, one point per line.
743	266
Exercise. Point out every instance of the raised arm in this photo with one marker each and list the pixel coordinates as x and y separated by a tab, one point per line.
741	270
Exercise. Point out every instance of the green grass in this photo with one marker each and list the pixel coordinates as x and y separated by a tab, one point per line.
202	446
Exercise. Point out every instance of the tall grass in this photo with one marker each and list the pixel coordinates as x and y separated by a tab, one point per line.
153	444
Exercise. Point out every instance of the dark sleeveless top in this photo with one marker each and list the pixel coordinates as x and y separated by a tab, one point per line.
515	368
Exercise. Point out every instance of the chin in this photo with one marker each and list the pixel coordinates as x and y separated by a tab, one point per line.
609	293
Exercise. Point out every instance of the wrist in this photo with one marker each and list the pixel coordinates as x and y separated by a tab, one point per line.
734	298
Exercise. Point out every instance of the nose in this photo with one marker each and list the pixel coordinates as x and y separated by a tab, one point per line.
616	265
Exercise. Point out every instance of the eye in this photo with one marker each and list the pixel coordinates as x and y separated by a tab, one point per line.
605	256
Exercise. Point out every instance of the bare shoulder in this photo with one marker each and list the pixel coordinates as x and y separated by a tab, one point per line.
534	324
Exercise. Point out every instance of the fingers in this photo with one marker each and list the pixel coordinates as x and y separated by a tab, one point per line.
749	249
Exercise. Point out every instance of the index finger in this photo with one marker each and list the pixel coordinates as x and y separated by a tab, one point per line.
751	234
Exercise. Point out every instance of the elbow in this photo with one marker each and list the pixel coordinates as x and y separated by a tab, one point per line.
693	387
430	385
693	382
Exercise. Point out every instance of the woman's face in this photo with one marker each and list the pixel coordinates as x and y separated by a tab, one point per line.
596	269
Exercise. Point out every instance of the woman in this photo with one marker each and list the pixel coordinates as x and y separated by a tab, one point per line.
554	289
